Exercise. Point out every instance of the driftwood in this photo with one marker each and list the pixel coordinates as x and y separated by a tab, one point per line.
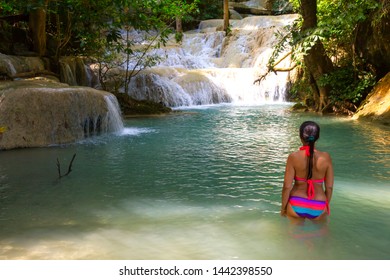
69	167
272	68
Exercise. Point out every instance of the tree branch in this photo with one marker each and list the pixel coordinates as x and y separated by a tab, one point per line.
272	68
69	167
59	169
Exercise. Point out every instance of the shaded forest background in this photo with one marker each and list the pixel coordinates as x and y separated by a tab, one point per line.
340	49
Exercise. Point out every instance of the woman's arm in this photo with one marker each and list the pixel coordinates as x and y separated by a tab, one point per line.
287	184
329	180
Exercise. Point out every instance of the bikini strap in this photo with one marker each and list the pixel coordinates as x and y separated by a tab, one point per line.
306	149
310	189
299	179
310	185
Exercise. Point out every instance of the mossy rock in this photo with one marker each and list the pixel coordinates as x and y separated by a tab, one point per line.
299	107
132	107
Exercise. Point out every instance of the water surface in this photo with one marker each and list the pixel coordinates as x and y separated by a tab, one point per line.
201	184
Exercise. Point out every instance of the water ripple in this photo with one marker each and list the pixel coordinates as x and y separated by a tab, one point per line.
202	184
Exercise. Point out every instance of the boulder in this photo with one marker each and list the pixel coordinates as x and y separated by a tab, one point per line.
42	112
261	7
377	104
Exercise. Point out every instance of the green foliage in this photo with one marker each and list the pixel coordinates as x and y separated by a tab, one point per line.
210	9
104	30
6	8
348	85
336	29
179	37
339	20
296	5
12	7
298	91
381	13
292	38
229	30
125	40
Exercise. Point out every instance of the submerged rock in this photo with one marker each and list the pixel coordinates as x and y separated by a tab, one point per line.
41	112
377	104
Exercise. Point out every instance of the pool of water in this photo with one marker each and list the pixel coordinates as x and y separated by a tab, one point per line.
204	183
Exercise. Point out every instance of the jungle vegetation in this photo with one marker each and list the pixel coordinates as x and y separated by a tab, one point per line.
325	43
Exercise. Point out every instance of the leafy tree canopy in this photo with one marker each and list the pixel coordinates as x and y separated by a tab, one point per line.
91	20
337	23
100	29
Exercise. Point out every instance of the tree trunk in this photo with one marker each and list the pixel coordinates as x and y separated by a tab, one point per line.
316	61
37	24
179	25
226	16
179	30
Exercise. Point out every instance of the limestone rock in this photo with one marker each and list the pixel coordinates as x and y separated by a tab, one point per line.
11	65
377	104
38	113
260	7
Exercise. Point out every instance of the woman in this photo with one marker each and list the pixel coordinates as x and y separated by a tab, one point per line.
306	172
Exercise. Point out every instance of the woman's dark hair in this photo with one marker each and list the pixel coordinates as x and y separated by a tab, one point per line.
309	132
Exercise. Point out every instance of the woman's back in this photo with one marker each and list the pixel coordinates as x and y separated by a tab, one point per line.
321	163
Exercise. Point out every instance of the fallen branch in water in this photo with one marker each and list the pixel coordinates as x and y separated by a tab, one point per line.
69	167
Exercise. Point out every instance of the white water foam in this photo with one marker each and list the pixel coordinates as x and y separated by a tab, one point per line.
210	68
134	131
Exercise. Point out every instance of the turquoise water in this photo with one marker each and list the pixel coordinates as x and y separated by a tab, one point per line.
201	184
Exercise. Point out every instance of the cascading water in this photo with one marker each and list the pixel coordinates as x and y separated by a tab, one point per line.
67	75
206	68
12	65
114	119
75	72
209	67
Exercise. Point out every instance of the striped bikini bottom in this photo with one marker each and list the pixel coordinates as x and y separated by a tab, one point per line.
307	208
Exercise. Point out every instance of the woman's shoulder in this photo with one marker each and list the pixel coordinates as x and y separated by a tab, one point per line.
323	154
294	154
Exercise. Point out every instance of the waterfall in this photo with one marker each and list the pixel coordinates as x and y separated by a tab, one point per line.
96	123
75	72
11	65
209	67
7	65
67	75
114	118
